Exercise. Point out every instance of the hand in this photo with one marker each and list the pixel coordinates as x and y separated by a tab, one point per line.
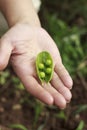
21	44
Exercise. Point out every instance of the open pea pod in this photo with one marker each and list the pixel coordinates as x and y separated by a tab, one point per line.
44	66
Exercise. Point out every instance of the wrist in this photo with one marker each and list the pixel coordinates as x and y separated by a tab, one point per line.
26	20
19	12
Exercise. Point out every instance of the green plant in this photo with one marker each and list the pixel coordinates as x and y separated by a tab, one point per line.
71	47
81	125
38	108
72	12
17	83
18	126
80	109
4	77
61	114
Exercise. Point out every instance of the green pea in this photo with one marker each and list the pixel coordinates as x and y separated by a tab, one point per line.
48	71
41	66
48	62
42	75
44	66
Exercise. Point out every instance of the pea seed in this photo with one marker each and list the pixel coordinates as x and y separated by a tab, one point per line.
48	62
42	75
48	71
41	66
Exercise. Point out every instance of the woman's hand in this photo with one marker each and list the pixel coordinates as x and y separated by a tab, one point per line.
20	45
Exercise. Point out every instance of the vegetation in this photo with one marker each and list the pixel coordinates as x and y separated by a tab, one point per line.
66	21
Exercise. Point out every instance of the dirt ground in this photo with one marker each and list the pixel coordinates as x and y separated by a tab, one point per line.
12	111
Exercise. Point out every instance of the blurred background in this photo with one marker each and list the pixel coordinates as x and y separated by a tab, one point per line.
66	22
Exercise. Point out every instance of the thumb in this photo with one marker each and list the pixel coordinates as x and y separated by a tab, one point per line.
5	53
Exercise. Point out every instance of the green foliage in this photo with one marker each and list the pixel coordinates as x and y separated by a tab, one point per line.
4	77
17	83
38	108
61	115
68	39
80	109
18	126
81	125
66	22
72	12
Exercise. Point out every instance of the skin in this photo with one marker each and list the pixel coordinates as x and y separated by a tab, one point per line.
20	46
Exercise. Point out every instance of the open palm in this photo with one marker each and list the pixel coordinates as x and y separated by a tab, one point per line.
21	44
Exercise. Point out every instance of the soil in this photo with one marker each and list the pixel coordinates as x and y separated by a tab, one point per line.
15	109
18	107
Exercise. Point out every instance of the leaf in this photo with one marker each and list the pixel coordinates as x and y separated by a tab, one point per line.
80	109
80	126
38	109
18	126
61	115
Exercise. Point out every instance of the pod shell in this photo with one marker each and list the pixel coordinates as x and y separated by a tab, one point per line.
42	57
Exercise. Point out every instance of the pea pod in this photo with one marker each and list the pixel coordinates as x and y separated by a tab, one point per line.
44	66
